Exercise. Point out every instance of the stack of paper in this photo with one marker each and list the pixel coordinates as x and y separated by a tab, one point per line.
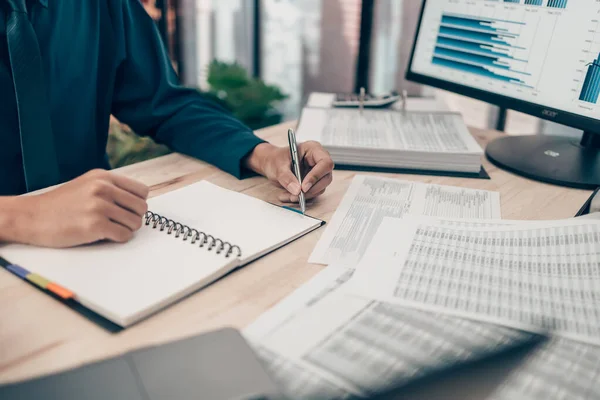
425	276
393	139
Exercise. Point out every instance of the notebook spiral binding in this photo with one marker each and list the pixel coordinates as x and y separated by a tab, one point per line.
158	221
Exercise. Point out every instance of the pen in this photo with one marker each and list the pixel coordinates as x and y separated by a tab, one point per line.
296	165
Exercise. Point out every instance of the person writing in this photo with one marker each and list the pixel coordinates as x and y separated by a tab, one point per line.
65	67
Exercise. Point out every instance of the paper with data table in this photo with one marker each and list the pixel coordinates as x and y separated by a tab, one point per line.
534	276
349	344
369	199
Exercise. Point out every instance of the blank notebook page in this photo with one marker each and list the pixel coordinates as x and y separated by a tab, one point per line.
125	282
252	224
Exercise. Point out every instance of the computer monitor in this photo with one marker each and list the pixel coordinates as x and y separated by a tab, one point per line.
540	57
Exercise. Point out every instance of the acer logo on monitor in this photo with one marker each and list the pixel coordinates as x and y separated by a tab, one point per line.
549	113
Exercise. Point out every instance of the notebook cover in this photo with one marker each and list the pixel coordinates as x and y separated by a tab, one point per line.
481	175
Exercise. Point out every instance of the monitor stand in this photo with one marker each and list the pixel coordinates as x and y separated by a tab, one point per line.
553	159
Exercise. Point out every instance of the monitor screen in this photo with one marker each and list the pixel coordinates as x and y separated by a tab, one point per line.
543	52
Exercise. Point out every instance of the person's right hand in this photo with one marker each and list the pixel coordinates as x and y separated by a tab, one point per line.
98	205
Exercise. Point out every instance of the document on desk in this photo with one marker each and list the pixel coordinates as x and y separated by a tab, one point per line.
431	141
369	199
535	276
416	131
560	369
348	344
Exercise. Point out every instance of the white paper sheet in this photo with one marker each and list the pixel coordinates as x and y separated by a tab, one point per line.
369	199
542	276
360	345
377	129
561	369
319	287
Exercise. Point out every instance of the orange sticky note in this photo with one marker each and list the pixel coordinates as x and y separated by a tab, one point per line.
59	291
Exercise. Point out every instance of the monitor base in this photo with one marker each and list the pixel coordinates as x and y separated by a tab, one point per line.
553	159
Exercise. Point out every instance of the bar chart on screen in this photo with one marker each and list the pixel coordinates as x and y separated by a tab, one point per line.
588	82
490	47
540	3
496	40
515	48
591	84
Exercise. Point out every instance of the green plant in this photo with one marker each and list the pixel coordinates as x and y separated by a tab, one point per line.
249	99
124	147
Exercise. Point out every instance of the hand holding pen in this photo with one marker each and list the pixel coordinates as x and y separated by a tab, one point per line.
316	167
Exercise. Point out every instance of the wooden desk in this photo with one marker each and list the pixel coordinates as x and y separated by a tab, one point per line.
39	335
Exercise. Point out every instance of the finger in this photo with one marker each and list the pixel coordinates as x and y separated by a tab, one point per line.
312	152
321	168
115	232
125	199
123	217
136	188
287	198
320	185
289	181
318	160
314	195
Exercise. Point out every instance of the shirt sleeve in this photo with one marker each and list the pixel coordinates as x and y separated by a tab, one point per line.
149	98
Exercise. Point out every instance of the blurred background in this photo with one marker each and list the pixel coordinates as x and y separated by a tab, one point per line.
261	59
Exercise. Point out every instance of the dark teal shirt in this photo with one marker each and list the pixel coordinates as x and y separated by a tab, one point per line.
104	57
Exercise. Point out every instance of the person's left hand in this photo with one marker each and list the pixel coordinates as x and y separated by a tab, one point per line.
276	164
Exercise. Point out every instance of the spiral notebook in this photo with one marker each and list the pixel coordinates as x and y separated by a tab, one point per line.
190	238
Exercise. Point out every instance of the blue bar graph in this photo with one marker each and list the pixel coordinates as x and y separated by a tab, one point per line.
474	70
512	1
474	37
468	23
472	58
475	48
557	3
533	2
482	46
484	20
590	89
